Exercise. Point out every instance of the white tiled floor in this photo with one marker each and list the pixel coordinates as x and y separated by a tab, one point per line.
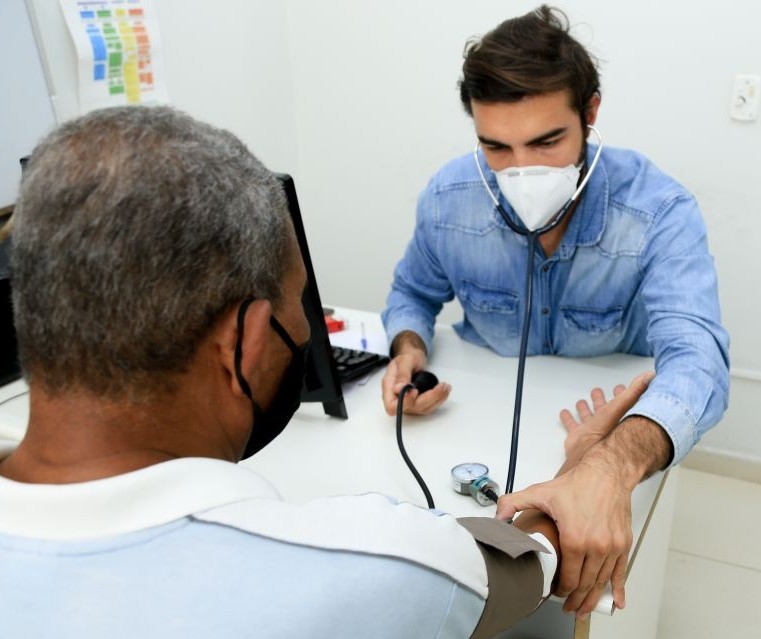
712	588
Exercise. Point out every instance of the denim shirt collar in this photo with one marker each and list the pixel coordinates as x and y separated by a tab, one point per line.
588	222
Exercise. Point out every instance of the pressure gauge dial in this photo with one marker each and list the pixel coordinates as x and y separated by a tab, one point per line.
463	475
473	479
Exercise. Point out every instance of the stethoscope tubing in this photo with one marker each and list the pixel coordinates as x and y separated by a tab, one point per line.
531	237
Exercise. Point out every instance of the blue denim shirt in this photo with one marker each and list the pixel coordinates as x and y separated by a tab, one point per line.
632	274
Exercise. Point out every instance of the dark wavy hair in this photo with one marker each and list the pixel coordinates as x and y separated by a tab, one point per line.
525	56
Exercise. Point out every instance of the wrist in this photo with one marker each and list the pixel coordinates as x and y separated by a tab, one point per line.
580	448
533	520
408	342
636	449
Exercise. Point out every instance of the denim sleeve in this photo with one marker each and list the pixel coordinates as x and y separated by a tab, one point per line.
679	289
420	287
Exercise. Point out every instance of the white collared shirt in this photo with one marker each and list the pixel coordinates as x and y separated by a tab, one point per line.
201	547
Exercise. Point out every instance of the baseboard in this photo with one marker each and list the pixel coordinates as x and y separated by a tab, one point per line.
719	462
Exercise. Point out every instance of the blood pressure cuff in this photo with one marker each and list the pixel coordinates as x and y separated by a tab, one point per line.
513	570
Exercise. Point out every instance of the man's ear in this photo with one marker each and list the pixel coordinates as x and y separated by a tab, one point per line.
256	327
590	113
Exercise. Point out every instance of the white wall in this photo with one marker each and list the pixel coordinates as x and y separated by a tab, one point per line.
25	110
228	63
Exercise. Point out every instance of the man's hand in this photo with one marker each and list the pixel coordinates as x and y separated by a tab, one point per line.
597	422
410	357
590	501
592	510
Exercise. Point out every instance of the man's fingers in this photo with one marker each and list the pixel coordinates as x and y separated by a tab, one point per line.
570	570
644	378
581	580
416	403
628	396
531	497
598	398
409	398
398	373
624	397
568	420
430	400
390	398
387	393
586	579
639	384
387	387
593	595
618	580
582	408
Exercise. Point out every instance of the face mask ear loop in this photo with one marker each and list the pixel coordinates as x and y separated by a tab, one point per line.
591	166
239	348
278	328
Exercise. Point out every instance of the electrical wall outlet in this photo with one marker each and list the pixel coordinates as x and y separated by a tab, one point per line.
745	96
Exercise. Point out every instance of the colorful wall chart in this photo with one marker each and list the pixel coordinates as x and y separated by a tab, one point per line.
119	53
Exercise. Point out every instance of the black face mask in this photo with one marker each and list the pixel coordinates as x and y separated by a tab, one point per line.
270	423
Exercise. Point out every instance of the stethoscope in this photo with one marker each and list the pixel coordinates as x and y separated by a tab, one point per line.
472	478
531	237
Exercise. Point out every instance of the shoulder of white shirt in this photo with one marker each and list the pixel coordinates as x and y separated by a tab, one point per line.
219	492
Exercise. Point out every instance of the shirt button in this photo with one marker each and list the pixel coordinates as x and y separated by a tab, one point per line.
545	311
545	268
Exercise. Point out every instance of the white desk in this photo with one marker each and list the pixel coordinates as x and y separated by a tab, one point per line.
319	455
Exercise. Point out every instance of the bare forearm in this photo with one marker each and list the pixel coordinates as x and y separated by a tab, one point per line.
533	520
634	450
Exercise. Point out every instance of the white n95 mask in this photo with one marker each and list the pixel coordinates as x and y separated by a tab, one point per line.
537	193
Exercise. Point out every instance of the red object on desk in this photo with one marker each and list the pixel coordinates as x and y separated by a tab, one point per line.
334	324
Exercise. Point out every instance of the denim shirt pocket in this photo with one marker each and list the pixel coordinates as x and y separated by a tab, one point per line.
592	331
492	311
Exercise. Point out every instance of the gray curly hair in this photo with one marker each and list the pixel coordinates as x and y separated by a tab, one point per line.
135	229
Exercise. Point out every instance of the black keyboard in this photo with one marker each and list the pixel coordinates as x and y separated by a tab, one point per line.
352	364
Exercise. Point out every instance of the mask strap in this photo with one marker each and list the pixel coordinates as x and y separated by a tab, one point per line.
239	348
278	328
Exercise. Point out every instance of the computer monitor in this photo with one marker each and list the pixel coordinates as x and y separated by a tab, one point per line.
9	366
10	369
321	383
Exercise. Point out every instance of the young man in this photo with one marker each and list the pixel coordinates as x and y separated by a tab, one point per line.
157	297
625	268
